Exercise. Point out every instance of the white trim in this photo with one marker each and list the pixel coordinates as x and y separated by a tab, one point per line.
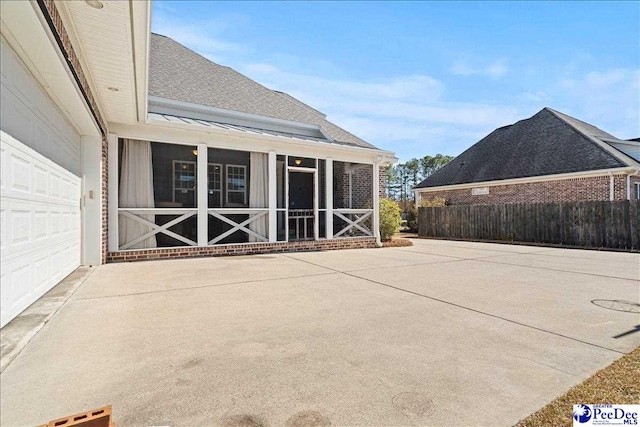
221	182
316	204
541	178
173	178
286	197
226	182
637	184
202	192
113	180
611	187
620	141
273	197
376	204
636	173
140	12
328	174
185	134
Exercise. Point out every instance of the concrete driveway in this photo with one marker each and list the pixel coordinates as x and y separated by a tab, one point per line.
440	333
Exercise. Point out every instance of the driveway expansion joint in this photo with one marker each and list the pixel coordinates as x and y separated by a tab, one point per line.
471	309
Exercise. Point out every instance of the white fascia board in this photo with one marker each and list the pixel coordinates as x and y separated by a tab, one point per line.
621	141
185	134
204	112
141	38
526	180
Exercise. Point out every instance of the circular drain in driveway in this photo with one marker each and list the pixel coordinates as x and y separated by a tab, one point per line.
414	405
617	305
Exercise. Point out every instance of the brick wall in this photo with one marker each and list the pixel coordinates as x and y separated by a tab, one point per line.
244	249
566	190
104	172
362	191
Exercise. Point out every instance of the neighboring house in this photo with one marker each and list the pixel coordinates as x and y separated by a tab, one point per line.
550	157
122	145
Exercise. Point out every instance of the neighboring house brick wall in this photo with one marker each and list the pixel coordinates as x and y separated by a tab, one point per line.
243	249
566	190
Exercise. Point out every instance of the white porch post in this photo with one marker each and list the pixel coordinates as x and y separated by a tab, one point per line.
316	204
328	175
376	203
203	197
273	197
91	149
112	187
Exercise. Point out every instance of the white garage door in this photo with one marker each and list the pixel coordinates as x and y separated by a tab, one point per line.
40	220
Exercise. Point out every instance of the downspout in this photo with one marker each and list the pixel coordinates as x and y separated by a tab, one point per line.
636	173
350	187
611	186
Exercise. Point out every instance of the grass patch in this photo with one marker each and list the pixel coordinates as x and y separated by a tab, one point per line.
618	383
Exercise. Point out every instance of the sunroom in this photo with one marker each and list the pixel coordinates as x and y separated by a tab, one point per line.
195	184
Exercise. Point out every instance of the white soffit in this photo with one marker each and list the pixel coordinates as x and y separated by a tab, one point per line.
103	38
26	34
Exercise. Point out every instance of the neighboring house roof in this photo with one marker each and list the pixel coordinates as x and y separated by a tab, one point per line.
547	143
178	73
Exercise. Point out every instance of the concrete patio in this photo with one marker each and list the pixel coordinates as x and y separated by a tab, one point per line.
440	333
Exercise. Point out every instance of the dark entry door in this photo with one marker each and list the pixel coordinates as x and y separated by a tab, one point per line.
301	206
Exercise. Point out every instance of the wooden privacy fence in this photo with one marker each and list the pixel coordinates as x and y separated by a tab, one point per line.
601	224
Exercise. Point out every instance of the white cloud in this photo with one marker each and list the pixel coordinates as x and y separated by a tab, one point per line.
408	114
537	96
496	69
607	98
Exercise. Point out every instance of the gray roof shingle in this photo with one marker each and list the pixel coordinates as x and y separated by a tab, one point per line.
178	73
547	143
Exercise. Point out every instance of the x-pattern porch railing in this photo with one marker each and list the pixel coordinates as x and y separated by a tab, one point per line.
134	214
254	214
137	214
359	216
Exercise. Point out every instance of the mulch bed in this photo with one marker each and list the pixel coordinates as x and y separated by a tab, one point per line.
396	242
618	383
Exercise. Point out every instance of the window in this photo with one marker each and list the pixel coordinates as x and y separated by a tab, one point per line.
236	185
637	190
184	182
215	185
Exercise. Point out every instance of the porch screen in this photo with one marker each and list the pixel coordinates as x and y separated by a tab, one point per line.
136	191
258	192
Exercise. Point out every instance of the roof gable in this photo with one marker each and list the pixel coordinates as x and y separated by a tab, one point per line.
544	144
178	73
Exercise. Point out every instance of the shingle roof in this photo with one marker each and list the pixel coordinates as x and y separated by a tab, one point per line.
547	143
178	73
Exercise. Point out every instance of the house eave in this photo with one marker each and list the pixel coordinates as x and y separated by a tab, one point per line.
176	133
525	180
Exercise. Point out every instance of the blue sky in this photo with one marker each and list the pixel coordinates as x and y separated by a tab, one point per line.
425	78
